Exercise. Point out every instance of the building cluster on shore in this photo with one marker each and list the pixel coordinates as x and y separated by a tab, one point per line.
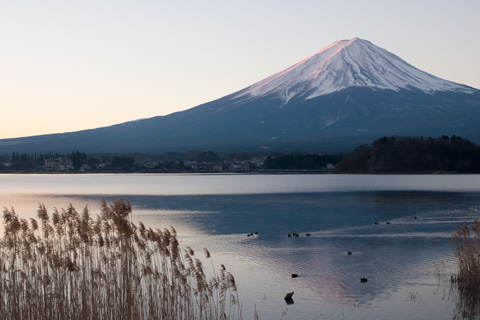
129	164
386	155
125	164
195	166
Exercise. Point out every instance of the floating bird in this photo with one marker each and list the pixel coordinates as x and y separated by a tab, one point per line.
349	253
363	280
294	275
288	298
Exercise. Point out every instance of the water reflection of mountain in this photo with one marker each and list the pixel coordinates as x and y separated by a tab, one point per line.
396	258
276	215
393	257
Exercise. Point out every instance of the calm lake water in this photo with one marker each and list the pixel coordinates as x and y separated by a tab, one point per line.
405	261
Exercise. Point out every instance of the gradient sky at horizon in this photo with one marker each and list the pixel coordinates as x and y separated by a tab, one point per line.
73	65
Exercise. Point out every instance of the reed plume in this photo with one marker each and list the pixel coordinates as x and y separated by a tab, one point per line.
70	265
466	283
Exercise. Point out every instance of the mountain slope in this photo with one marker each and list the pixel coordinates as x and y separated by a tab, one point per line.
350	93
349	63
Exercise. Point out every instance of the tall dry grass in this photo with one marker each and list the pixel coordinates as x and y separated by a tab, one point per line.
466	283
71	265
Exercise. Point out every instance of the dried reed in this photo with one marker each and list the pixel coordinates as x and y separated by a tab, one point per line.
69	265
467	280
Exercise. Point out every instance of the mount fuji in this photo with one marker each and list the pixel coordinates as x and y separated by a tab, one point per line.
349	63
349	93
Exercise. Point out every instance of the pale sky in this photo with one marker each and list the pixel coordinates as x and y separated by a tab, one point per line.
73	65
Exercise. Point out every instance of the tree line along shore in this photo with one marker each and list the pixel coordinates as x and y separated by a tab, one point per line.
385	155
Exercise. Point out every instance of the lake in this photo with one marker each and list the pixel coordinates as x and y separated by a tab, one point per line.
397	228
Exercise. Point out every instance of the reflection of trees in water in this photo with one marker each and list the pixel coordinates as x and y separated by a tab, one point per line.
465	287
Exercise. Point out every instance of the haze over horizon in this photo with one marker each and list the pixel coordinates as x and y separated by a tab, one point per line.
75	66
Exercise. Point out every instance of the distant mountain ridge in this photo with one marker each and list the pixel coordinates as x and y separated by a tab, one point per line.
349	93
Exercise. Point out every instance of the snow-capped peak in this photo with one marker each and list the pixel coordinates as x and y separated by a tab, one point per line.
349	63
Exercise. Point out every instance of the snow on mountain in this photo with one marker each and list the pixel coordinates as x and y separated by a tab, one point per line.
349	63
320	117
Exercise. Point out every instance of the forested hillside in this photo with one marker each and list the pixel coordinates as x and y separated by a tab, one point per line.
413	155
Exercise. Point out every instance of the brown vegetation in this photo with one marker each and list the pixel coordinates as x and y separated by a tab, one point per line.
69	265
467	280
